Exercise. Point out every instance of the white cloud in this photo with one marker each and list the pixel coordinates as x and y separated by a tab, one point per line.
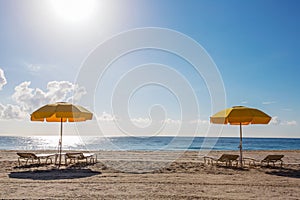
291	123
141	120
200	121
106	117
58	90
31	98
276	121
268	102
287	109
33	67
171	121
244	102
77	94
12	112
28	99
2	79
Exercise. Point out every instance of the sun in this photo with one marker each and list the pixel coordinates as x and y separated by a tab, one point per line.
73	10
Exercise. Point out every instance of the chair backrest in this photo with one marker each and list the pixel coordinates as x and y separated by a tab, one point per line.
273	157
228	157
27	155
75	155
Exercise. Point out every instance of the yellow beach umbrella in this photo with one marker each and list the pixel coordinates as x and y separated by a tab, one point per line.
240	115
61	112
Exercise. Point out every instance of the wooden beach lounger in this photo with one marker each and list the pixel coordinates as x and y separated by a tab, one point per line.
75	157
32	156
268	159
228	159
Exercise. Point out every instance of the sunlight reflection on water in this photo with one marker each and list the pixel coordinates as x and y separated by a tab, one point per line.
51	142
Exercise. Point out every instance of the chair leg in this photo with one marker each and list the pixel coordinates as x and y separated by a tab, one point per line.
48	159
56	157
94	159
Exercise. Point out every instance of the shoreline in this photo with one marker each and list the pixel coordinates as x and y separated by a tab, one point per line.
151	175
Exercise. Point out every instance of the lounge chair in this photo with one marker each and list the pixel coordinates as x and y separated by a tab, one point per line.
268	159
75	157
32	156
227	158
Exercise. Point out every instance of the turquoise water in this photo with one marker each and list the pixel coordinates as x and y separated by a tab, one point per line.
147	143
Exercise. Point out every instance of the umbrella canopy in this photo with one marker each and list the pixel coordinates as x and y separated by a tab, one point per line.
61	112
240	115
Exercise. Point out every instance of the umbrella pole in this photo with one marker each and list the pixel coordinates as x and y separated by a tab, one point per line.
60	141
241	146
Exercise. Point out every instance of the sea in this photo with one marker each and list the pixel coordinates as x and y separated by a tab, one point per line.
146	143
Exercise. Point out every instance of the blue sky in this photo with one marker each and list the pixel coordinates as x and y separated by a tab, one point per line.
254	44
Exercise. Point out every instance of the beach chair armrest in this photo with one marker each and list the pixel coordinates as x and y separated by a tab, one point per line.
44	155
251	160
209	157
88	155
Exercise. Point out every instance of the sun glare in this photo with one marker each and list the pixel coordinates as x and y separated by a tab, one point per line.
74	10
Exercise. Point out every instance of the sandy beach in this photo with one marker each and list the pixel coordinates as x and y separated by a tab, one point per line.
151	175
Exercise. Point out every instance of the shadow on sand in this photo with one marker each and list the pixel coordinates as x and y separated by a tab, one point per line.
286	172
54	174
